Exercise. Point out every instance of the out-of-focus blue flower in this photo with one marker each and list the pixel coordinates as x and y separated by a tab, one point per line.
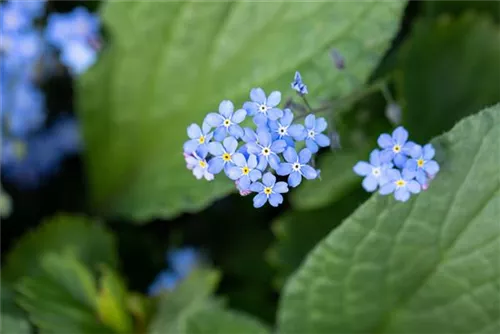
13	18
266	149
32	8
244	171
196	161
77	26
25	109
69	138
314	136
223	155
262	107
374	171
395	147
284	129
296	166
78	56
165	281
269	191
199	137
226	122
401	184
422	163
298	85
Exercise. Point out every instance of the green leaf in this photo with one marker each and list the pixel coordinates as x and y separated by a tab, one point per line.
191	295
217	320
62	298
5	204
87	239
14	324
429	265
442	64
437	8
170	63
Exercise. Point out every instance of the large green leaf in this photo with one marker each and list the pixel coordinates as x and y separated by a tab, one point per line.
450	69
429	265
169	63
13	320
88	239
218	320
436	8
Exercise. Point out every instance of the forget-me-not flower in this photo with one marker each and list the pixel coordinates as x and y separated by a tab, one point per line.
395	147
77	26
13	18
262	107
78	56
374	171
313	131
199	137
298	85
196	161
269	191
284	129
223	155
421	162
402	184
226	121
297	166
266	149
245	170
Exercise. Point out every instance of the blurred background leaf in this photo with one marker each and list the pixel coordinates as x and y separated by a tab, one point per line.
423	266
142	85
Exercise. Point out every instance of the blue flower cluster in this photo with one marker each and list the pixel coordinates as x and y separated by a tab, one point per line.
182	262
30	151
400	167
251	155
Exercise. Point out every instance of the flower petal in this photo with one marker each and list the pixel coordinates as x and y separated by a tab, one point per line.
220	133
249	136
208	176
428	152
322	140
400	135
244	182
234	173
400	160
250	107
269	179
310	121
294	179
284	169
309	172
431	167
273	99
264	138
215	148
253	148
214	120
311	145
258	95
362	168
387	155
415	152
236	131
274	161
206	128
274	114
304	156
385	141
260	120
375	158
262	165
413	186
402	194
239	116
387	188
280	187
226	108
230	144
257	187
393	174
239	160
275	199
408	174
411	164
191	145
252	161
194	131
297	131
278	146
287	117
215	165
321	125
421	177
370	183
255	175
259	200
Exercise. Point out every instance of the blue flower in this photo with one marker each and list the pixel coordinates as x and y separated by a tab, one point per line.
12	18
68	137
296	166
401	184
314	136
245	171
374	172
395	147
298	85
284	129
223	155
32	8
26	109
199	137
422	163
165	280
196	161
226	122
269	191
183	260
77	26
78	56
263	108
266	149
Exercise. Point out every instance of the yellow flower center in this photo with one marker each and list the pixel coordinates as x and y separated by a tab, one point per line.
400	183
202	164
226	157
201	140
396	148
245	170
420	162
268	190
227	122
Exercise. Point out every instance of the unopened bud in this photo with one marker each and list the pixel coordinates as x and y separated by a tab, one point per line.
393	113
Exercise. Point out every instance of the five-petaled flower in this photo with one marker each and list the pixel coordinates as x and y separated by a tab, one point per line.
269	190
402	184
296	166
284	129
226	121
395	147
298	84
196	161
266	149
374	171
313	133
263	108
245	170
223	155
422	163
199	137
